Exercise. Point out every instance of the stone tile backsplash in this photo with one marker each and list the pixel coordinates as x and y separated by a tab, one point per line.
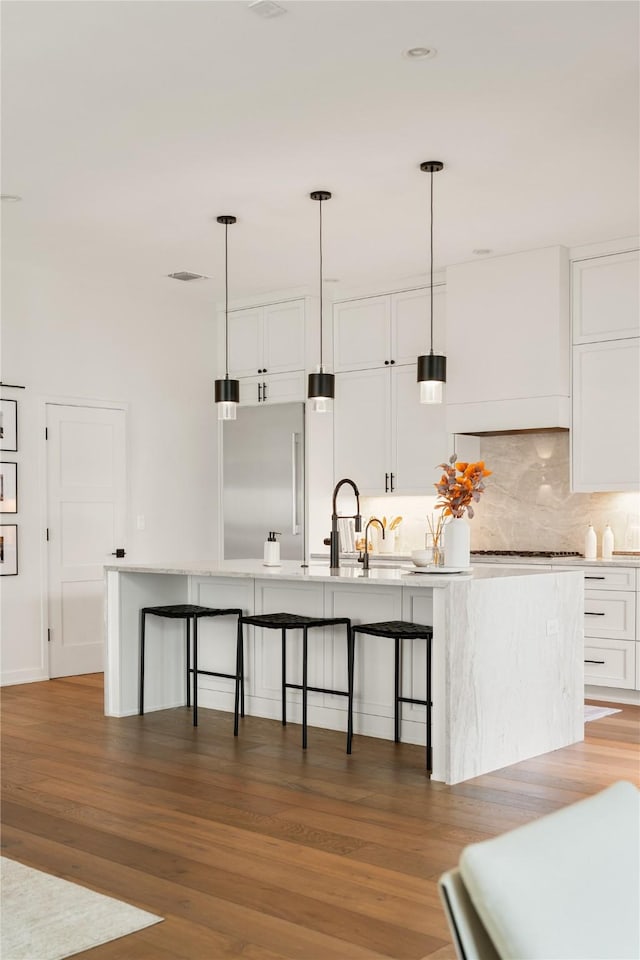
527	504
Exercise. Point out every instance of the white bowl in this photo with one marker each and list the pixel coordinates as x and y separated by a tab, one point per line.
422	558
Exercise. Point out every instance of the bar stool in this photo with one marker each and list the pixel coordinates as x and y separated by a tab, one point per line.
191	612
293	621
399	630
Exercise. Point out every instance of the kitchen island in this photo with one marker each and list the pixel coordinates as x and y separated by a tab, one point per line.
507	669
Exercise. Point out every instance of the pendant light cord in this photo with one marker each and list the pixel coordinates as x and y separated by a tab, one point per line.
431	258
321	311
226	300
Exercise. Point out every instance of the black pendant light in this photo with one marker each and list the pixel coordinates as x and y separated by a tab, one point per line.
321	384
227	392
432	368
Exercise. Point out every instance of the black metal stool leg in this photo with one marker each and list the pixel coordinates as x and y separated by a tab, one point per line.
241	670
350	663
284	677
187	622
429	745
396	727
236	699
141	696
195	671
304	688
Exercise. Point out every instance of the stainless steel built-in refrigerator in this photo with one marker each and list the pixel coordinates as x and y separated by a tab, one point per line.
263	480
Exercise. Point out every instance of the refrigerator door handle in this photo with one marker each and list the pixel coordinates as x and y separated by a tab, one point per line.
295	526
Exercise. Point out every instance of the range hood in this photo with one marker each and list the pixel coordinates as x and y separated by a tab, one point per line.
508	344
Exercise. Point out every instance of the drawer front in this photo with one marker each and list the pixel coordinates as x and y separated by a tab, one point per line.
610	663
609	578
611	614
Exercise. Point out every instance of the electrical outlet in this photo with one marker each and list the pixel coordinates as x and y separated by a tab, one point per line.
552	627
140	522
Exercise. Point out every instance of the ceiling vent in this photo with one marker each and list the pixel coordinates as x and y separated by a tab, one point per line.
266	9
185	275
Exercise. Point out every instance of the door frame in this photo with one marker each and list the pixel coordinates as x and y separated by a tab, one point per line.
43	403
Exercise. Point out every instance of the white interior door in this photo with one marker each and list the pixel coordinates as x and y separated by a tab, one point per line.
86	508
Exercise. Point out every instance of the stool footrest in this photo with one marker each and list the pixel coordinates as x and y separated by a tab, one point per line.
422	703
213	673
335	693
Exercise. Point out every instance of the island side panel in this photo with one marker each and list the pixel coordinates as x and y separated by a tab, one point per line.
165	666
514	670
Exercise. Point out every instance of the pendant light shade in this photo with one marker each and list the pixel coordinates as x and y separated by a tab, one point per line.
227	392
432	367
321	389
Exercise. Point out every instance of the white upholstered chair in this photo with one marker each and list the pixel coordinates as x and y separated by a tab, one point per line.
565	887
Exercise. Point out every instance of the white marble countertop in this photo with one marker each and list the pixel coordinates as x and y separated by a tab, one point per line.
404	574
628	560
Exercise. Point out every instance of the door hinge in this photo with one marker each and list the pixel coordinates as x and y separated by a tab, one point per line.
47	534
48	635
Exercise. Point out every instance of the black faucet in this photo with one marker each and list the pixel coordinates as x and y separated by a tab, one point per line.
364	558
334	539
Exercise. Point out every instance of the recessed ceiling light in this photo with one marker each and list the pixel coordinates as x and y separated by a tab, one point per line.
10	197
481	251
419	53
266	9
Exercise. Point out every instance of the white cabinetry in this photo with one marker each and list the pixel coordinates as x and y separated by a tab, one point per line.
267	352
388	330
267	339
605	438
383	436
508	342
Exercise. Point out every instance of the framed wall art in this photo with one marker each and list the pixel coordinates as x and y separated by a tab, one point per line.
8	487
8	549
9	425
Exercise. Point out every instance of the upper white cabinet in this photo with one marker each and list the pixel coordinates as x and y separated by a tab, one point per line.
508	341
384	438
605	297
386	331
605	436
267	339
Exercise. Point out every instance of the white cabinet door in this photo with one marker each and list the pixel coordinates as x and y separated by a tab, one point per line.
610	614
361	337
610	663
362	429
419	437
283	337
411	324
605	438
605	294
245	342
281	388
267	339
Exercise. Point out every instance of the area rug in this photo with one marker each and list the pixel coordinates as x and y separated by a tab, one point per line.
46	918
596	713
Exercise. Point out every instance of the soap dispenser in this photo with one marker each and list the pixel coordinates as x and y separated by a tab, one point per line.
607	543
590	544
272	550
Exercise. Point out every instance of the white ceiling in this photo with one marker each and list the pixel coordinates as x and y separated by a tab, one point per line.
128	126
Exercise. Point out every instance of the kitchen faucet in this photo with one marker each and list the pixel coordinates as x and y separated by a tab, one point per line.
364	558
334	539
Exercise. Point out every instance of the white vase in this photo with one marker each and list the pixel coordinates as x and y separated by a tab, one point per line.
457	543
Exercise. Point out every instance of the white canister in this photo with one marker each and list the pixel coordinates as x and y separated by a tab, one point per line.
607	543
590	544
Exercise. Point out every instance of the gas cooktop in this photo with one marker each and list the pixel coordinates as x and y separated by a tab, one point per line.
525	553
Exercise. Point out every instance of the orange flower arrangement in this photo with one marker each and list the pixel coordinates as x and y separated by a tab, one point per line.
457	493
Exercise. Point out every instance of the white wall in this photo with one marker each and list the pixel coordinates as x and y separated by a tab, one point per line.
148	342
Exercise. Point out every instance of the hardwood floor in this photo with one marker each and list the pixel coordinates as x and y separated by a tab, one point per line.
251	848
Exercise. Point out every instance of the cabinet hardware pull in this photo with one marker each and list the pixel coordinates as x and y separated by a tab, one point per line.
386	483
392	474
386	363
594	578
392	362
590	613
595	661
264	391
259	392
